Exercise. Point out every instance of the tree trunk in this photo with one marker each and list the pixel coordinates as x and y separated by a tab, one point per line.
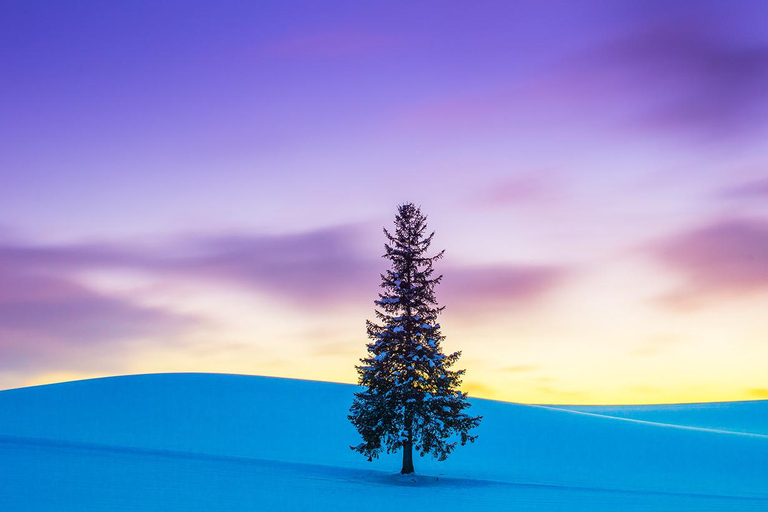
407	458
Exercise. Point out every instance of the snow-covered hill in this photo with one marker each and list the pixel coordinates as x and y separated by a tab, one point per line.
228	442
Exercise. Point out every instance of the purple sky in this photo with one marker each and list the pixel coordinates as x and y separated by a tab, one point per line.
197	186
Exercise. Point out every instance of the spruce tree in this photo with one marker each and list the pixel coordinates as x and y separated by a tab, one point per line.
410	397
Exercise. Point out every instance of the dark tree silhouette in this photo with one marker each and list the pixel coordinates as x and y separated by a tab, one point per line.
411	397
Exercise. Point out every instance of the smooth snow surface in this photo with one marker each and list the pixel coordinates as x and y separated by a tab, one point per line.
224	442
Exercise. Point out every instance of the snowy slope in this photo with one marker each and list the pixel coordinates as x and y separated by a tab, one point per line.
227	442
746	417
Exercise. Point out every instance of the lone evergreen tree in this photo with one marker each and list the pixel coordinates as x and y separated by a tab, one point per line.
410	397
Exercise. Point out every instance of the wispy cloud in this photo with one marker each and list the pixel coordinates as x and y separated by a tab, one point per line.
726	258
325	266
531	188
475	289
688	78
45	305
47	318
755	189
321	267
699	79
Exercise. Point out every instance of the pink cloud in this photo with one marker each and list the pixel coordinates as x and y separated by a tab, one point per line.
756	189
48	318
682	77
527	189
473	290
726	258
318	269
45	319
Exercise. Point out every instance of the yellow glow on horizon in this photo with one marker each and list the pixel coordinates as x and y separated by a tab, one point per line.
618	347
686	394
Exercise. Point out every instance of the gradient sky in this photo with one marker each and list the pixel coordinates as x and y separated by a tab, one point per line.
201	186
